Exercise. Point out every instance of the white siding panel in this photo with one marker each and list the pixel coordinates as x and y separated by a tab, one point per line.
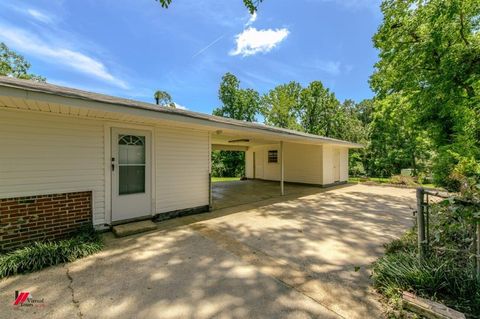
328	158
303	163
343	164
45	154
249	163
263	169
271	171
182	166
328	176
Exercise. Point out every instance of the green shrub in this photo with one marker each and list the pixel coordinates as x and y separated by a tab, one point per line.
452	169
405	244
228	163
448	272
403	180
44	254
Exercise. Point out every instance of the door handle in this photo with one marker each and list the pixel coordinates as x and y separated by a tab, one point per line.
113	164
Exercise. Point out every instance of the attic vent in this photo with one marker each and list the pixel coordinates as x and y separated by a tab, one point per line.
240	140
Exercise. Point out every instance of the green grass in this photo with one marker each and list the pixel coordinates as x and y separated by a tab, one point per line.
369	179
224	179
380	180
40	255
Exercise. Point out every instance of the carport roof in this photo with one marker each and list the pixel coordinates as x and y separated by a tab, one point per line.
56	90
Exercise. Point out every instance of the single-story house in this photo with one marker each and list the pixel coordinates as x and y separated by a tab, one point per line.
69	157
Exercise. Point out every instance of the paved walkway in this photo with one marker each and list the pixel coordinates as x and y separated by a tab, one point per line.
288	258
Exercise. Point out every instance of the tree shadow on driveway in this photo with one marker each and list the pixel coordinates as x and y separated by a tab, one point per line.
292	257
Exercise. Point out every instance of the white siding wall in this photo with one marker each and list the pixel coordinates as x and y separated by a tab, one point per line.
263	169
312	164
182	166
271	171
327	155
328	164
303	163
249	164
259	162
344	164
46	154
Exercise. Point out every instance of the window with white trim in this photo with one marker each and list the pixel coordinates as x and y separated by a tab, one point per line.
273	156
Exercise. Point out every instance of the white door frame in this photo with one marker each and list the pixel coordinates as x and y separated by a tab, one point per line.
108	126
254	164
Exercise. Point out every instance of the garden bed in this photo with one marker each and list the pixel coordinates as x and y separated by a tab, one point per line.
40	255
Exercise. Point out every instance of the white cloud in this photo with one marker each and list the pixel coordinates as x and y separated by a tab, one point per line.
252	41
180	107
253	18
40	16
58	54
330	67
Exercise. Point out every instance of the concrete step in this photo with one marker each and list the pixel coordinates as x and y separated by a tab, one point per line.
133	228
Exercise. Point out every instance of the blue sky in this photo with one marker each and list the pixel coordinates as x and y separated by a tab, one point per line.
131	48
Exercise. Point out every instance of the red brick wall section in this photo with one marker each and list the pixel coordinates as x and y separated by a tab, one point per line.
41	218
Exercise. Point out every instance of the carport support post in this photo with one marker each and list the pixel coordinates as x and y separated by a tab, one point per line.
282	170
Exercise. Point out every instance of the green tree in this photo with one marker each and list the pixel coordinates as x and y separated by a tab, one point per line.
396	139
349	122
15	65
354	123
251	5
281	106
430	54
320	111
364	111
163	98
239	104
228	164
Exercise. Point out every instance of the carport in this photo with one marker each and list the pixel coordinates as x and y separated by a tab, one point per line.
279	163
234	193
142	160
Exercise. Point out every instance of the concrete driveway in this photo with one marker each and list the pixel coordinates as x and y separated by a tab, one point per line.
293	257
235	193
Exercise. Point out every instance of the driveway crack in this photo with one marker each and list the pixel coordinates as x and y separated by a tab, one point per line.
75	302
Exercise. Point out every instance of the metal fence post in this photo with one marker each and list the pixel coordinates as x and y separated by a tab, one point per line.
421	223
478	250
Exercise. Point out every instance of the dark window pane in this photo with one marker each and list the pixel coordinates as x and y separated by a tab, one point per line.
131	180
273	156
131	154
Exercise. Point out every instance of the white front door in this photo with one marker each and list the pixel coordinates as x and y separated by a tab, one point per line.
259	165
131	174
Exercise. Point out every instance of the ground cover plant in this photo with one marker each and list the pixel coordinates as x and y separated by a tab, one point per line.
447	274
40	255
